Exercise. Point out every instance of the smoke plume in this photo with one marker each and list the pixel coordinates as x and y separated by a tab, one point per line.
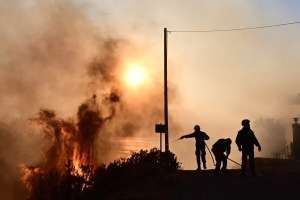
53	57
272	134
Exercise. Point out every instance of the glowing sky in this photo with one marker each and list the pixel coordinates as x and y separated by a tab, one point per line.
220	77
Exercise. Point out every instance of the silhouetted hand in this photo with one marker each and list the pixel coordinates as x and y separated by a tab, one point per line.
259	148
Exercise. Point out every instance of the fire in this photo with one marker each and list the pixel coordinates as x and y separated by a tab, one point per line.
71	159
77	169
81	167
29	173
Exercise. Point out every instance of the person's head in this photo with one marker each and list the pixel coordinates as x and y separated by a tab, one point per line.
228	141
246	123
197	127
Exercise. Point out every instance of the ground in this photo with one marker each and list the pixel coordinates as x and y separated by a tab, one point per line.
276	179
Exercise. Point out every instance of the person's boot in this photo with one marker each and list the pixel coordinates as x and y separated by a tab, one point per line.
242	174
223	170
253	173
217	172
198	169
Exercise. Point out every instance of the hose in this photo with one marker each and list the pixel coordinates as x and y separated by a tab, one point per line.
234	161
213	160
212	157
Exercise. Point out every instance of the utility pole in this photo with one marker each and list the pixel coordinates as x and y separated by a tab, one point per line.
166	89
164	128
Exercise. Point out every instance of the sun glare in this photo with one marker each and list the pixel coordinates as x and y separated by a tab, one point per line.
135	75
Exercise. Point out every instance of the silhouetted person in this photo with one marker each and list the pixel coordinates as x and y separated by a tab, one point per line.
200	138
221	150
245	141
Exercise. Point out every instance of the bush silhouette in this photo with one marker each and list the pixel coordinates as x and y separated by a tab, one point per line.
144	163
145	166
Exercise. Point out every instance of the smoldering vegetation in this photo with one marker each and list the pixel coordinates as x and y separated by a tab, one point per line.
53	58
71	156
107	182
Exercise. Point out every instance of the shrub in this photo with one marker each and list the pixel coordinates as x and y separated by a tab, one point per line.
145	163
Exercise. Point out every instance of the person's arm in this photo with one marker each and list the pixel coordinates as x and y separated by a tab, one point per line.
228	150
188	136
256	142
206	137
238	141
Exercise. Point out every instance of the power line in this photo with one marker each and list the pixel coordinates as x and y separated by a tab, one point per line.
235	29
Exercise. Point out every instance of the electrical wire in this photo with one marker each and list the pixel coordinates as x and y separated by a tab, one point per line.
235	29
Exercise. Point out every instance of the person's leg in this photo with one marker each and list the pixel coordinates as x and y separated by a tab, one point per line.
244	162
218	162
197	152
203	153
251	162
224	160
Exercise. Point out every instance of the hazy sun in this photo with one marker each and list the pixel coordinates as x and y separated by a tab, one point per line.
135	75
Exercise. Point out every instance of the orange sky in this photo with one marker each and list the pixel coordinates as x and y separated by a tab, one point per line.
220	78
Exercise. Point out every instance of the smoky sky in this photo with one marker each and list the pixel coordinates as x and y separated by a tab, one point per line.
295	99
50	55
273	135
54	57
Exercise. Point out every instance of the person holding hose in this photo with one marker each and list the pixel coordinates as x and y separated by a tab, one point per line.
221	150
200	138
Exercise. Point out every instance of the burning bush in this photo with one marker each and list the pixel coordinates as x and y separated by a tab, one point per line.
70	161
48	185
69	170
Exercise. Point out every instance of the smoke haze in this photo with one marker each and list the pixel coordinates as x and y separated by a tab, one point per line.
56	54
54	57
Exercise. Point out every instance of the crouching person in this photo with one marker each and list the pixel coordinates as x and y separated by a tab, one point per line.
221	150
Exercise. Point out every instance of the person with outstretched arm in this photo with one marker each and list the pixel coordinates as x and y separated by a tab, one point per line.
200	138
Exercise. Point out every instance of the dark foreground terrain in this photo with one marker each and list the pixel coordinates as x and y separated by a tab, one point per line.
276	179
155	175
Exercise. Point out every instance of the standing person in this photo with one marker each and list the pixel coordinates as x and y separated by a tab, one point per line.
245	141
200	138
221	150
